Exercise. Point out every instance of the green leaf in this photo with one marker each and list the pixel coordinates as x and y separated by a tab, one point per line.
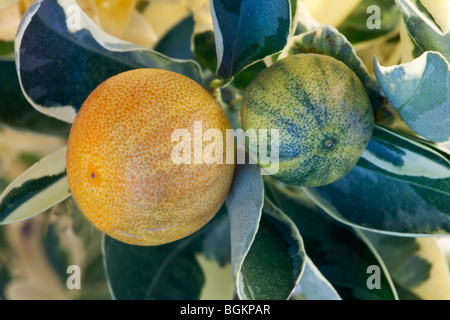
247	31
398	187
403	159
58	256
417	266
93	282
5	278
176	43
243	78
273	266
16	112
327	40
355	26
142	5
62	56
7	50
314	285
244	203
342	254
205	49
39	188
172	271
419	90
423	29
205	52
293	4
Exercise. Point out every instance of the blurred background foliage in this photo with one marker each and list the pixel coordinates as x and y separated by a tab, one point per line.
34	254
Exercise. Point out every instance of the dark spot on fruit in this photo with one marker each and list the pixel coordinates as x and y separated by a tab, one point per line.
328	144
92	175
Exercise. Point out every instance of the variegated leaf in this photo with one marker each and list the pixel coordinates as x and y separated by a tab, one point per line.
273	266
57	43
398	187
16	112
244	203
247	31
342	254
417	266
370	21
314	285
181	270
39	188
423	29
419	90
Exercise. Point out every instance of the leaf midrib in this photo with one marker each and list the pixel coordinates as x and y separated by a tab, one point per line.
417	88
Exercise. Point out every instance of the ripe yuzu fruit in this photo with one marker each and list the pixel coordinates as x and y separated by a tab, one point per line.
119	164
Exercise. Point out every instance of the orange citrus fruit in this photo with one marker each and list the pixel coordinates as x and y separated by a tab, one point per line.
119	158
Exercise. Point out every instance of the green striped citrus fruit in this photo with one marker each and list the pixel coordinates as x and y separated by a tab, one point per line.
322	112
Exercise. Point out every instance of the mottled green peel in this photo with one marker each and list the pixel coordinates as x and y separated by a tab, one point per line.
323	114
